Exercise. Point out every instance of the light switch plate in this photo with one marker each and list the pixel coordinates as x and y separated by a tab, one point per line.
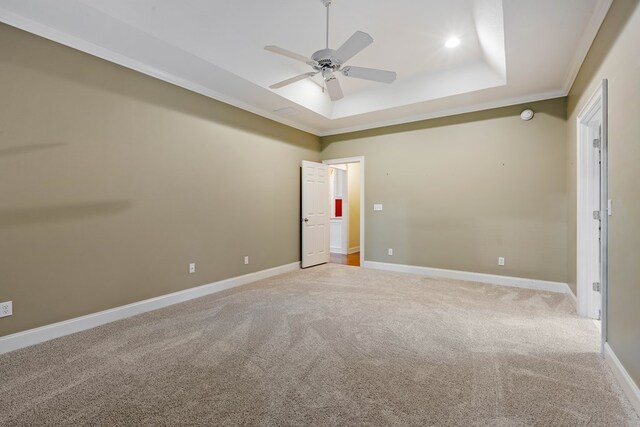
377	207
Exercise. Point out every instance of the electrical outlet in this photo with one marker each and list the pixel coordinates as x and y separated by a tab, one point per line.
6	308
390	251
246	260
501	261
192	268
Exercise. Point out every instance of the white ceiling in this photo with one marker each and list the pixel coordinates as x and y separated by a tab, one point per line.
512	51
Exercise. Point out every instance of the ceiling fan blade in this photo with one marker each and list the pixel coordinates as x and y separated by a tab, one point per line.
381	76
356	43
289	54
292	80
334	89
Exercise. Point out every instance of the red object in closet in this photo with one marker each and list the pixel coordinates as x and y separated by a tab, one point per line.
338	207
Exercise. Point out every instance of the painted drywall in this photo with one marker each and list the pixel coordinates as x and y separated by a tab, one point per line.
461	191
112	182
615	55
353	182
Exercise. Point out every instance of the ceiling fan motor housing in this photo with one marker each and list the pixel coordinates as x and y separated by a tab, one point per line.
325	60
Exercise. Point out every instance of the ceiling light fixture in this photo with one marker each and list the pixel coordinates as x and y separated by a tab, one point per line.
452	42
330	62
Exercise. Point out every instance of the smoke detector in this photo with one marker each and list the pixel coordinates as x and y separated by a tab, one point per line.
527	114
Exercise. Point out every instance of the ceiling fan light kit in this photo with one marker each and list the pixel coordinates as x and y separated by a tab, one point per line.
328	62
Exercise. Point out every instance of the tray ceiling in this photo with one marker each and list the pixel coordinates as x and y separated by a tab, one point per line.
510	51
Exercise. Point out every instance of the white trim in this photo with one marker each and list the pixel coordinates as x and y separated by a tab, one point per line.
353	250
45	333
604	202
517	282
597	104
584	184
629	386
588	36
573	298
543	96
356	159
77	43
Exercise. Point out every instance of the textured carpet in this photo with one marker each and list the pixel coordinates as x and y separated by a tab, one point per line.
332	345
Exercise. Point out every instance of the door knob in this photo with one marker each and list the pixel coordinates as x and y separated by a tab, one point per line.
306	220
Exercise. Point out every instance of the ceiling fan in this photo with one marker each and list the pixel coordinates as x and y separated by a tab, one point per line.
329	62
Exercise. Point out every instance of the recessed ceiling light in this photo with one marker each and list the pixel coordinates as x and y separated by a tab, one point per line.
452	42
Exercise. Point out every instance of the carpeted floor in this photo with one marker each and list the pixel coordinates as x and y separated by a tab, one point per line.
332	345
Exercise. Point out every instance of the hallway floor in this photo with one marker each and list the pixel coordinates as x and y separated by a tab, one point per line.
351	259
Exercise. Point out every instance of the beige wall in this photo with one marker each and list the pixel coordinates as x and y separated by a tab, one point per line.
615	55
353	180
111	182
459	192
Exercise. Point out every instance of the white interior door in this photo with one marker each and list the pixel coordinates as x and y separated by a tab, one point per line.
315	214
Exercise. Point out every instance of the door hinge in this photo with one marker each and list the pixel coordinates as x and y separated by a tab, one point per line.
596	215
596	143
597	287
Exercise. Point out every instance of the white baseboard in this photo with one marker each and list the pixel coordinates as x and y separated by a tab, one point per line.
629	387
493	279
572	297
354	249
45	333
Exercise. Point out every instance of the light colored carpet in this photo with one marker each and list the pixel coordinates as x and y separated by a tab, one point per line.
332	345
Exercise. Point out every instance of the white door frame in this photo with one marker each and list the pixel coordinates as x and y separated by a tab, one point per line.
597	104
358	159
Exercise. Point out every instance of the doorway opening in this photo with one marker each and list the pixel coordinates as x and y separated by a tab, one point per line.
593	209
346	195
